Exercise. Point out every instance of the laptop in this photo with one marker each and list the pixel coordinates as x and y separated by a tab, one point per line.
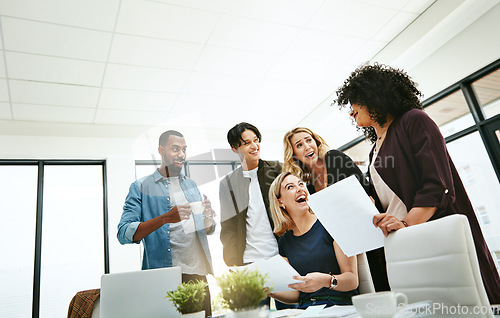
139	293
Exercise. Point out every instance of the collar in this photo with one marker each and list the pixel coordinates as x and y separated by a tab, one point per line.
158	177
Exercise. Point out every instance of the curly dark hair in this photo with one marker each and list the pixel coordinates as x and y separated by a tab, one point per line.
382	90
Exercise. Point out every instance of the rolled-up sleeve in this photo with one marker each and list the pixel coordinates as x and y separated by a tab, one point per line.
131	217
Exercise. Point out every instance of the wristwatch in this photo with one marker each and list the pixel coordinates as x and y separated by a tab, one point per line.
333	283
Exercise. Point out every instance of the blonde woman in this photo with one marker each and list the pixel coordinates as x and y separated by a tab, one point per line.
308	156
330	277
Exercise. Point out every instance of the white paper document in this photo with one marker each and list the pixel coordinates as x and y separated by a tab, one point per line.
346	212
278	270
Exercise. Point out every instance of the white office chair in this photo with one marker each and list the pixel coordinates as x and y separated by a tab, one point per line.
436	261
364	275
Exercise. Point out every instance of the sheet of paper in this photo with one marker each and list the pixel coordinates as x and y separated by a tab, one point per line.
278	270
346	212
312	311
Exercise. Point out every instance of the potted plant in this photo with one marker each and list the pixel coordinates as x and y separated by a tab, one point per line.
241	292
188	299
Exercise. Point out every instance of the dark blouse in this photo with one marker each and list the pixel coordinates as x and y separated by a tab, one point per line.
414	162
340	166
313	252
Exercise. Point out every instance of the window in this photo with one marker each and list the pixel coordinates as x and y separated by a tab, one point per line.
451	113
53	228
487	90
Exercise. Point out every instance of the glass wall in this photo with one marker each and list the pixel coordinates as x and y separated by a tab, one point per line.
52	233
17	234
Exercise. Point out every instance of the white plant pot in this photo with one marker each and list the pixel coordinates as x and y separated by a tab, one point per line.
251	313
199	314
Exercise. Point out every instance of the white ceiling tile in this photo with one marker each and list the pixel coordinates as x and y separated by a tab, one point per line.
135	100
140	78
2	65
277	108
211	104
5	112
301	70
234	62
395	26
212	5
53	113
43	38
418	6
252	35
94	14
128	117
389	4
366	52
153	19
351	18
54	69
135	50
53	94
324	46
4	93
219	85
282	90
291	12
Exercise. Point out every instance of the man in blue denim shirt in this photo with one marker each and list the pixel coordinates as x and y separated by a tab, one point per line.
157	212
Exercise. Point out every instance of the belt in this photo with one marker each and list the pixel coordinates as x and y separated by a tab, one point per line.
317	298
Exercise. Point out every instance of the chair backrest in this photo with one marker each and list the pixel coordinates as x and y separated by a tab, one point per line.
364	275
436	261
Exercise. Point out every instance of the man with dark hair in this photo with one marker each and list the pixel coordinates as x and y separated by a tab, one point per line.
157	211
247	226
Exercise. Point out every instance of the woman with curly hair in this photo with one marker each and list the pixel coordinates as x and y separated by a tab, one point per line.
308	156
411	173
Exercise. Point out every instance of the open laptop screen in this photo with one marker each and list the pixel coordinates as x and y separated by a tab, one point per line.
139	293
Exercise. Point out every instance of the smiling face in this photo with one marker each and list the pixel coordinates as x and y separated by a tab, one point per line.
173	154
305	148
361	116
249	150
293	195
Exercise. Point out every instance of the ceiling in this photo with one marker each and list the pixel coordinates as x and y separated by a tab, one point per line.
186	64
134	62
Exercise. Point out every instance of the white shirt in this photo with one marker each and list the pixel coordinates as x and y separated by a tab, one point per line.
260	240
187	251
391	203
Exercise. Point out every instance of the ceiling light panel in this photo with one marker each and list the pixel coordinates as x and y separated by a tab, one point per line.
133	50
141	78
136	100
49	39
92	14
235	62
252	35
54	69
53	113
53	94
289	12
159	20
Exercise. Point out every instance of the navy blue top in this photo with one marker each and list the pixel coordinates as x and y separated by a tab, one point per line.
313	252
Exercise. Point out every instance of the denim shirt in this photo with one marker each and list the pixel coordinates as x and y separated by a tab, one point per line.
148	198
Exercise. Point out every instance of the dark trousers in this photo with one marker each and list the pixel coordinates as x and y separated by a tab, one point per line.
207	303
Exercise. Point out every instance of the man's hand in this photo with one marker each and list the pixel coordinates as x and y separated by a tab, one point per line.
178	213
208	211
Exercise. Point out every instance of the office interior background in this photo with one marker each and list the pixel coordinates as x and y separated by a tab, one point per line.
87	86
